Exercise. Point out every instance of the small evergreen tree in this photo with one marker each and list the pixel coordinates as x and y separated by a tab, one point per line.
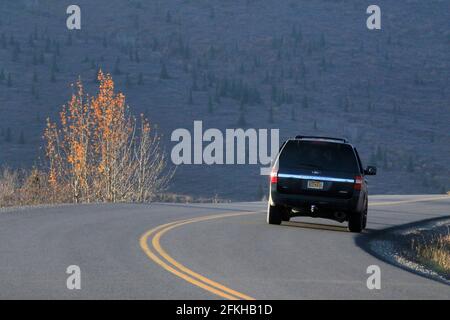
241	121
48	44
136	57
16	53
8	135
130	54
163	74
55	67
373	158
69	40
410	165
21	138
117	67
305	103
9	80
190	98
217	95
31	41
271	116
379	154
3	41
346	104
128	81
385	161
322	40
155	44
42	58
242	69
35	59
57	49
210	105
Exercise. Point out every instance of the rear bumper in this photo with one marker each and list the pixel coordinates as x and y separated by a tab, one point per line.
323	205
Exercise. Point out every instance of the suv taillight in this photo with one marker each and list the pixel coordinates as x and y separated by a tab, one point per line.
358	183
274	177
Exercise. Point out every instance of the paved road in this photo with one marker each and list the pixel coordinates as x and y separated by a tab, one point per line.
204	252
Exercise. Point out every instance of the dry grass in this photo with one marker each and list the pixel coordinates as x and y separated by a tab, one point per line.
434	252
9	183
21	188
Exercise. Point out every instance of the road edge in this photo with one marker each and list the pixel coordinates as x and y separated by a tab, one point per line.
366	242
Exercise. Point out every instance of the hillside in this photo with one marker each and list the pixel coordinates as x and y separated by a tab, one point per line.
305	67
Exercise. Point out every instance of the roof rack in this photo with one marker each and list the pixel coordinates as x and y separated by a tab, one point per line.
322	138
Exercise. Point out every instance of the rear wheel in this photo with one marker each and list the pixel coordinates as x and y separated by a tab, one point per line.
274	214
356	222
365	218
285	216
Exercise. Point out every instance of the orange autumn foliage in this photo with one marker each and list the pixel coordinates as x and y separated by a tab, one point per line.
95	153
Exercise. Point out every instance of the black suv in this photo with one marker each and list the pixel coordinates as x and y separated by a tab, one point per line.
319	177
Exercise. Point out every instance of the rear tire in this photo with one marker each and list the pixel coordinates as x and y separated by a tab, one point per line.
356	222
285	216
365	218
274	214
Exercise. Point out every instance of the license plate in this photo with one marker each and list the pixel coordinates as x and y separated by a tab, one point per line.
315	184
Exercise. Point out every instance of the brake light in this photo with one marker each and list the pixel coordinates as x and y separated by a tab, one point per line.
274	177
358	183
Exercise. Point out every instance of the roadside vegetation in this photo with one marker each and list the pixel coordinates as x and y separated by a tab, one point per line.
433	251
97	151
21	187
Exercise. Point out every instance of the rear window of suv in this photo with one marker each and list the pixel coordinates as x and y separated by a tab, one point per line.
319	155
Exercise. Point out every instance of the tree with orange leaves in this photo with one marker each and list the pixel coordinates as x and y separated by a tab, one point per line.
99	152
68	147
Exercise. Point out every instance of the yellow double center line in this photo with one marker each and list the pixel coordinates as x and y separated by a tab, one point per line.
173	266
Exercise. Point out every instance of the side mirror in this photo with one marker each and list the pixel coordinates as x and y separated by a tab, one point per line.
370	171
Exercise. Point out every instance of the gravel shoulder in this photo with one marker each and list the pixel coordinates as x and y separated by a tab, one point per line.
394	245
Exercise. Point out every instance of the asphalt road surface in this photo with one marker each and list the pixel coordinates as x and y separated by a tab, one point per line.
209	251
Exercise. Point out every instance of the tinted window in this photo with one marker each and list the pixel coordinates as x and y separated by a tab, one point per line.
318	155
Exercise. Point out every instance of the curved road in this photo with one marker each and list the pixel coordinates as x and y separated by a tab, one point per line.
177	251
